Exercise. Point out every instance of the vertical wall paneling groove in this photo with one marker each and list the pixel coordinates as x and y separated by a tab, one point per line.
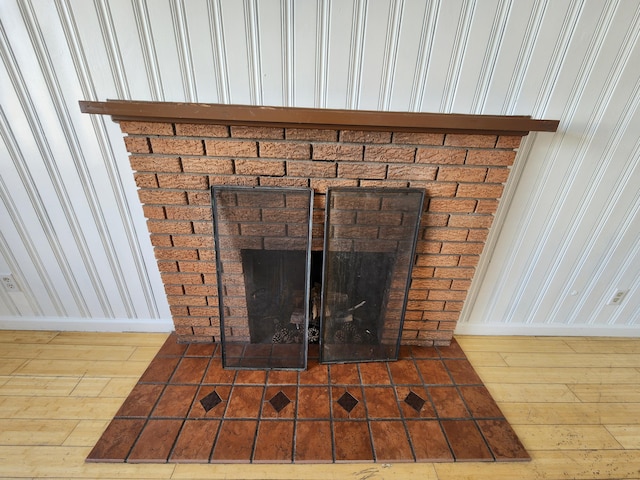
288	53
322	53
143	24
181	32
487	72
390	54
523	61
145	293
424	56
306	24
558	56
113	48
461	38
42	144
253	51
356	47
216	33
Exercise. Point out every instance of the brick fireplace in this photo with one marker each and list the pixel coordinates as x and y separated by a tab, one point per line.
179	151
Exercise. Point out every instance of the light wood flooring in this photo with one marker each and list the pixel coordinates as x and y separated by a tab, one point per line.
574	402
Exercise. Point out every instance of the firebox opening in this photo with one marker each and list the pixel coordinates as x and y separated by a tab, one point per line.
356	296
274	285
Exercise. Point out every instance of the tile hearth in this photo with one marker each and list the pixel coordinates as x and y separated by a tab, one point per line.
430	406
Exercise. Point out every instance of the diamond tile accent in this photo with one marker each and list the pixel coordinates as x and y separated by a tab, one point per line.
347	401
210	401
415	401
279	401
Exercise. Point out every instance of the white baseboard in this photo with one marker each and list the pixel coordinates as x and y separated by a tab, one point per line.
546	330
148	325
164	325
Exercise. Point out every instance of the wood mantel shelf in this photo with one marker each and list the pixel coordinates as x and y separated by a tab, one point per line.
124	110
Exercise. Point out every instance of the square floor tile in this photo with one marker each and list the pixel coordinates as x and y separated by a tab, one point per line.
275	442
313	402
155	441
314	443
466	441
244	402
115	443
235	441
352	441
390	441
195	441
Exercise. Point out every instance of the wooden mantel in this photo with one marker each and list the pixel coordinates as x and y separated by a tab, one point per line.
124	110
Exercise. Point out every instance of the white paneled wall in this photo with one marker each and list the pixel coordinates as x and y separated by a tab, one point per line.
567	235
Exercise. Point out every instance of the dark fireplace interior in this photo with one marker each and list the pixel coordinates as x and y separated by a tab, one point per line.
357	292
274	282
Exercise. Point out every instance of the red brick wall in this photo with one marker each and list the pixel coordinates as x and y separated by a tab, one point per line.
463	175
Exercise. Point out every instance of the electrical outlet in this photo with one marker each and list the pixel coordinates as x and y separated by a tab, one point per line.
616	298
9	284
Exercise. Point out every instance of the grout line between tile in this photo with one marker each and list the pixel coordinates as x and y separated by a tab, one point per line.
259	419
366	415
331	422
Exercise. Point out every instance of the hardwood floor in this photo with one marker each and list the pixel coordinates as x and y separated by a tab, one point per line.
574	402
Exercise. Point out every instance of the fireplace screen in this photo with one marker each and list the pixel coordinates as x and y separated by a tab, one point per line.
268	310
370	238
262	239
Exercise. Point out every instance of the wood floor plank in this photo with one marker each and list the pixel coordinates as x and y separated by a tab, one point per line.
535	375
28	432
117	339
601	360
566	437
62	352
502	344
81	367
69	408
571	413
399	471
627	435
119	387
603	345
90	387
607	392
86	433
487	359
524	392
27	336
20	350
143	354
39	386
552	465
10	365
68	462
